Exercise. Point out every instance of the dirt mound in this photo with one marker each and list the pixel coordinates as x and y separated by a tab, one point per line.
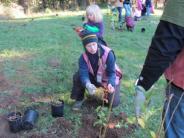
62	128
4	128
90	104
122	132
3	82
88	130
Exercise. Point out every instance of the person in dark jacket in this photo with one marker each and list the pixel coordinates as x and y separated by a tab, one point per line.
97	68
148	6
166	54
119	6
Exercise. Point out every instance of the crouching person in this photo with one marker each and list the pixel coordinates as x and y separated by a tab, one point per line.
97	68
130	23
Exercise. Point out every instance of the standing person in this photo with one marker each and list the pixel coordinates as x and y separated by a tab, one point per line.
97	68
148	7
94	22
127	6
136	10
112	7
139	5
119	6
166	54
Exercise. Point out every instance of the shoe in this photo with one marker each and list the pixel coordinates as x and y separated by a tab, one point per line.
77	105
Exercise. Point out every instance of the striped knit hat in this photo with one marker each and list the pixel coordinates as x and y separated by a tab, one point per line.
88	37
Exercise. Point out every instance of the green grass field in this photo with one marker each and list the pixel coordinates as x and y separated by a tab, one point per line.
38	58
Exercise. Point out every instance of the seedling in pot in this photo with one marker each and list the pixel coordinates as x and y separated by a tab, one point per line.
57	107
15	121
57	102
14	117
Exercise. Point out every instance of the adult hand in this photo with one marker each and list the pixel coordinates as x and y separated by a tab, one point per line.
139	100
91	88
110	88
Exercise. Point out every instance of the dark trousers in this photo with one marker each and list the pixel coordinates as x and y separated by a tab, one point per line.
174	121
120	14
78	91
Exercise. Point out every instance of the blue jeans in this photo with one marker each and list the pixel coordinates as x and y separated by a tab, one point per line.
148	10
174	126
127	9
120	14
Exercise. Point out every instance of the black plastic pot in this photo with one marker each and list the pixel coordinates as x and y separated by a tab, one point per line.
143	30
29	119
57	109
15	121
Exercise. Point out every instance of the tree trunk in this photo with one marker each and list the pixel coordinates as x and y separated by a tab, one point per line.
25	5
76	5
54	4
156	3
44	4
62	4
84	3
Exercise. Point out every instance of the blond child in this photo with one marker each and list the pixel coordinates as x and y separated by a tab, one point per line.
94	21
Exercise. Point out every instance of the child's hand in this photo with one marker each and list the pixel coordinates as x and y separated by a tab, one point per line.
110	88
78	30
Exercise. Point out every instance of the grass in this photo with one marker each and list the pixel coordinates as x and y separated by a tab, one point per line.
27	45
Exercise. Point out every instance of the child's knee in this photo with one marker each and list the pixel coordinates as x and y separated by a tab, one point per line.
115	103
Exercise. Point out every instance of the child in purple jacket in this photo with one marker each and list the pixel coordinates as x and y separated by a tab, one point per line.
130	23
94	22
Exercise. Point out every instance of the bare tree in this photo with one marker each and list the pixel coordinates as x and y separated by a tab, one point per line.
25	5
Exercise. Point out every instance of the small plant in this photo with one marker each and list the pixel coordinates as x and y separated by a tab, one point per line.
57	102
101	116
15	121
104	116
76	119
14	116
57	107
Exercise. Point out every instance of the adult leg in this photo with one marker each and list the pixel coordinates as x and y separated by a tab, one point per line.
129	10
173	123
120	14
116	100
126	9
148	10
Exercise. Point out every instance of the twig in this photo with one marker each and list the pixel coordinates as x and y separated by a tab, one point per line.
162	122
109	114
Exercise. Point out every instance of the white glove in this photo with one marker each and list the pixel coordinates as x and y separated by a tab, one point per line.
139	100
91	88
